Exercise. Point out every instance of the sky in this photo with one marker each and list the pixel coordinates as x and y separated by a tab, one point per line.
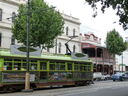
100	25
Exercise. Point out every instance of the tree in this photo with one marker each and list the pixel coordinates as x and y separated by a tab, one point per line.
115	43
45	24
121	6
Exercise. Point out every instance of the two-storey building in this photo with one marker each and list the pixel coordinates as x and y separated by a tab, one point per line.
103	61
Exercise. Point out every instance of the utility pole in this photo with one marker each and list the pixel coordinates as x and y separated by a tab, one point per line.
27	75
122	62
103	59
96	58
56	46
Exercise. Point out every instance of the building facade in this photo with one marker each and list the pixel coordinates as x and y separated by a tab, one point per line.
71	28
103	61
8	8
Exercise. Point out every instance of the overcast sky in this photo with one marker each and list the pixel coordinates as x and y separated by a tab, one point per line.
99	25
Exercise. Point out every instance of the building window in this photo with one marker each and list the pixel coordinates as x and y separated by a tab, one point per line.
67	29
74	48
13	16
59	48
1	14
13	40
0	39
48	49
74	32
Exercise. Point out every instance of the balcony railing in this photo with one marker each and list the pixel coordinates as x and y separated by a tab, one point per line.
103	61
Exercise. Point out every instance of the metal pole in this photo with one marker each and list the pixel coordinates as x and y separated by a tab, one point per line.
122	61
27	76
27	28
96	58
56	47
103	59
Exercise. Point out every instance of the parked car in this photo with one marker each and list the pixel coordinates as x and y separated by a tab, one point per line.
107	77
120	76
98	76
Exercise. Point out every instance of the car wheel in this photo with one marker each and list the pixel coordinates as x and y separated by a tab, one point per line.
121	79
114	80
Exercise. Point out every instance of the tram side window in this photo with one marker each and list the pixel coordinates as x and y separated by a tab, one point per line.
52	66
43	65
81	67
33	66
89	68
8	59
19	60
60	67
24	66
76	67
69	66
17	66
85	68
8	66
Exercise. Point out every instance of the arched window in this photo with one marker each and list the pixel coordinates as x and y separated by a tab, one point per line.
0	39
1	14
74	48
13	16
59	47
13	40
74	32
67	29
48	49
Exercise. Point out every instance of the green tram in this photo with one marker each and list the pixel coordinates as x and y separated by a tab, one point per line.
45	70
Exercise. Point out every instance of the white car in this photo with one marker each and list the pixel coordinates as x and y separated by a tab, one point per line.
98	76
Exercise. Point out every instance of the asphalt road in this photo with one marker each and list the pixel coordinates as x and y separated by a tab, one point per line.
106	92
114	91
100	88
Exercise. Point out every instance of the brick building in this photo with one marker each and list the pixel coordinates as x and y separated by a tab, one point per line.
103	61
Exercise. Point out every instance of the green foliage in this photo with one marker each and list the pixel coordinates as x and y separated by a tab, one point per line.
121	7
114	43
45	24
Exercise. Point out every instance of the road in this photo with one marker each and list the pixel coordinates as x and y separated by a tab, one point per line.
100	88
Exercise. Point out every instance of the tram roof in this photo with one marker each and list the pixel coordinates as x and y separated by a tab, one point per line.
6	53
